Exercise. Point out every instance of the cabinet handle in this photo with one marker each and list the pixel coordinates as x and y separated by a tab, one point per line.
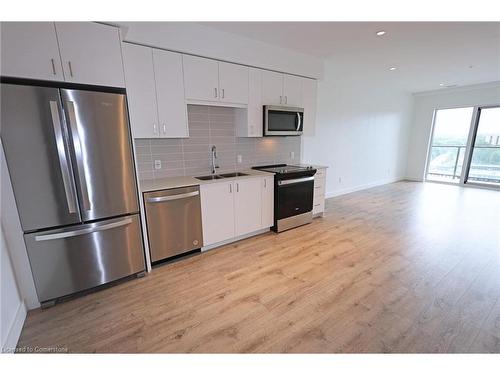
237	188
164	129
230	188
155	131
215	91
223	94
53	66
70	69
265	183
286	99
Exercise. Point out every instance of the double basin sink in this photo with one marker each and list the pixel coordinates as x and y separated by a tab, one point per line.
220	176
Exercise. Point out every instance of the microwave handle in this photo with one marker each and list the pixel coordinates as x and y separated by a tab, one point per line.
299	121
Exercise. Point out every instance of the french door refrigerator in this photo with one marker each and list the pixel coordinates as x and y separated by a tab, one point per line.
70	162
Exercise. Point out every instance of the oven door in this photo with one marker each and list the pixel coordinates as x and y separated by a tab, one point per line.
283	120
294	197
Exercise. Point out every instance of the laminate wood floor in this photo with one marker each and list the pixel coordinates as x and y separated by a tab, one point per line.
406	267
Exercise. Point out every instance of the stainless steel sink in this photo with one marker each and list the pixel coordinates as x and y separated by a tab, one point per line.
211	177
234	174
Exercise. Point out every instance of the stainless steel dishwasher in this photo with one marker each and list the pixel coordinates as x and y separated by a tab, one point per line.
174	221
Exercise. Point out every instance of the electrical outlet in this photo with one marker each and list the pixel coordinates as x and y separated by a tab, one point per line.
157	164
340	180
292	155
239	159
388	171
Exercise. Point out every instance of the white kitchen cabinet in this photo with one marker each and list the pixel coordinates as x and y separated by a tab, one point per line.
201	78
247	206
292	91
272	88
309	93
319	192
233	83
172	109
217	212
141	93
30	50
90	53
267	201
248	121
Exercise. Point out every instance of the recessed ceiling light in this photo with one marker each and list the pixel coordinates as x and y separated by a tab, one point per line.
380	33
441	84
392	68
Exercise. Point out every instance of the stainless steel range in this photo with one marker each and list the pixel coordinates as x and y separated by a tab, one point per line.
293	195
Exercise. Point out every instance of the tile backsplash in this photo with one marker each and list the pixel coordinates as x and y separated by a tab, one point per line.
210	125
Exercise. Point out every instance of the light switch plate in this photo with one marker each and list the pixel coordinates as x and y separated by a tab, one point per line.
240	159
157	164
292	155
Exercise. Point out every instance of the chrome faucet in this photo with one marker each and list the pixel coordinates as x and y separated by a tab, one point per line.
214	159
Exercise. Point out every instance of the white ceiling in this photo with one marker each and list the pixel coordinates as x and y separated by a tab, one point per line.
425	53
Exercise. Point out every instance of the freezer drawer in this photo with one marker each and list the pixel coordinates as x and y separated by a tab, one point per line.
80	257
174	221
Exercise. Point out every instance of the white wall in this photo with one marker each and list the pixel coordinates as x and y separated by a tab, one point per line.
196	39
424	106
12	310
362	125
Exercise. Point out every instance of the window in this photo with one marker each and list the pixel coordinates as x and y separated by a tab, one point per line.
449	143
485	159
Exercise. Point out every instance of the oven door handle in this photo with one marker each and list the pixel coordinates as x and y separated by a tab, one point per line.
295	181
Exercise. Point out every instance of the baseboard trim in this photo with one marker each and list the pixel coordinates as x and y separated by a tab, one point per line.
234	239
15	329
336	193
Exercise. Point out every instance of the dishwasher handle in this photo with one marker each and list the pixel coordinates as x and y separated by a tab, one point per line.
172	197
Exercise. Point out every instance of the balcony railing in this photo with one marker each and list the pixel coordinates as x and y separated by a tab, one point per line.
447	161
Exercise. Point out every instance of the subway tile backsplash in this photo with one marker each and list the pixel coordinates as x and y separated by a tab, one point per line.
210	125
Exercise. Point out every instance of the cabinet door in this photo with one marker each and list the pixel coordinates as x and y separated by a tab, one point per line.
217	212
141	95
233	83
247	206
90	53
255	114
267	202
309	92
170	94
30	50
201	78
272	88
292	91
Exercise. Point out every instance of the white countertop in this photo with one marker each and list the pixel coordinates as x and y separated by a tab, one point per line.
181	181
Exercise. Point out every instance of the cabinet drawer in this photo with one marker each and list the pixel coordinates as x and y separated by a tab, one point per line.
319	191
318	207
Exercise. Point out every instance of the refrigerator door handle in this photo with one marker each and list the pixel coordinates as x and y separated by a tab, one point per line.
79	155
79	232
63	159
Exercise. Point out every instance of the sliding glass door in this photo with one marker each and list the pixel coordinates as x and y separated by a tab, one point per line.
449	142
485	156
465	146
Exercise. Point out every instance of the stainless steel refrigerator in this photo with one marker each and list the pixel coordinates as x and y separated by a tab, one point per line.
70	160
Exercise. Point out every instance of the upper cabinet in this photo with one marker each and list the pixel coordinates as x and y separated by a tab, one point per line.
201	78
90	53
214	81
281	89
172	109
30	50
155	91
272	88
80	52
292	90
141	90
249	120
309	89
233	83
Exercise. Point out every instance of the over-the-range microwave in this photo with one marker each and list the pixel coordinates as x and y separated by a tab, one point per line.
280	120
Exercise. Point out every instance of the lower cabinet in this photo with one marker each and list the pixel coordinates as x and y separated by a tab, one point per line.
319	192
235	208
217	212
